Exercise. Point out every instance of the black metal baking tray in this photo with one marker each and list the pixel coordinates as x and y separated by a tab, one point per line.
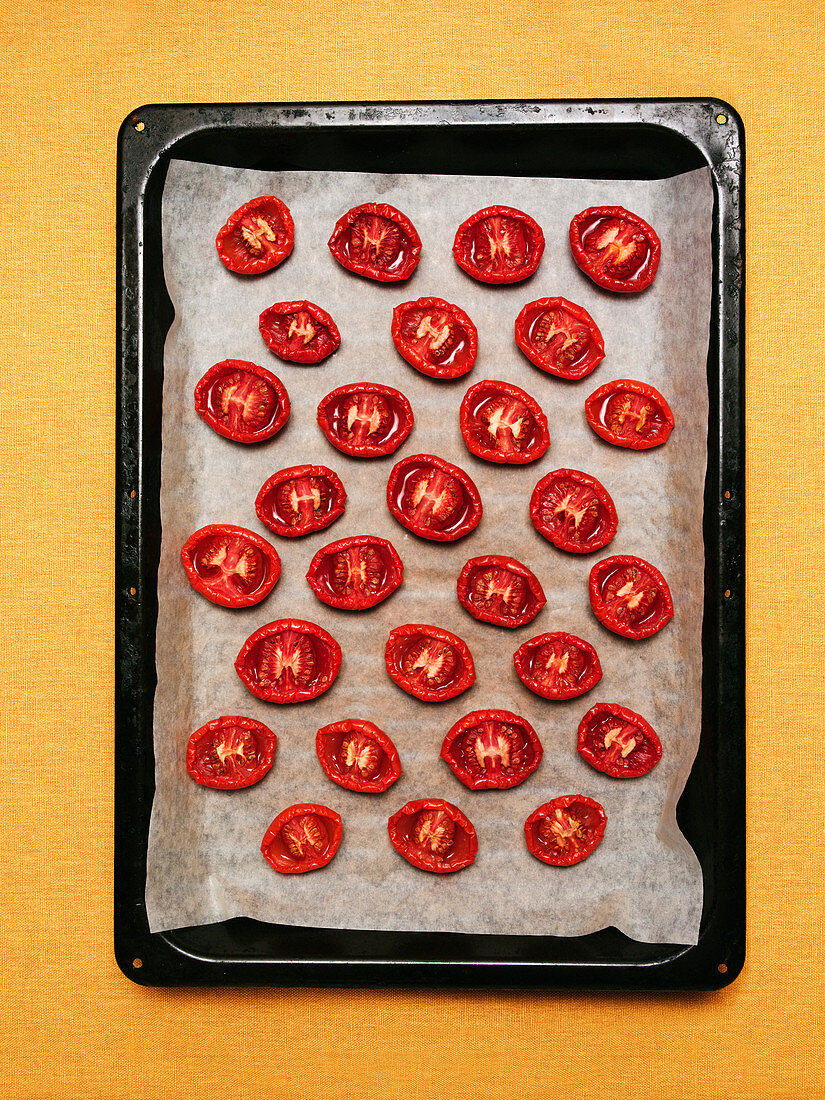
598	139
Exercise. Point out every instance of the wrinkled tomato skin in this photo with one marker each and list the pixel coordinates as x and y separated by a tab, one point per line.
410	645
299	332
289	661
559	338
409	829
500	422
403	247
618	742
435	337
586	812
423	518
346	563
326	831
272	505
563	495
500	590
365	419
257	237
597	263
242	401
233	732
630	414
505	739
499	245
381	765
563	651
246	552
607	606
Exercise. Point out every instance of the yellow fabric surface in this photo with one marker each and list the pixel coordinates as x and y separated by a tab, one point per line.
73	1027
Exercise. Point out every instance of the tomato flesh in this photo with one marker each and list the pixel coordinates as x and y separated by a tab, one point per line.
429	663
617	249
558	665
432	498
500	590
434	835
355	573
502	423
289	661
300	500
574	511
618	742
377	241
630	596
559	337
366	420
629	414
299	332
499	245
229	753
257	236
231	566
492	749
242	401
565	830
358	755
302	838
435	337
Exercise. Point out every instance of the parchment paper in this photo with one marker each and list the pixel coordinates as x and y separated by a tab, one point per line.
204	862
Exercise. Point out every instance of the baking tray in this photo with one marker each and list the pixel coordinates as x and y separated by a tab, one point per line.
609	139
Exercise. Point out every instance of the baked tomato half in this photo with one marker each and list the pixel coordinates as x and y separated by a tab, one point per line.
629	414
257	237
492	750
355	573
302	838
558	665
289	661
299	332
618	742
429	663
559	337
435	337
630	596
499	245
242	401
434	835
500	590
565	830
574	511
300	500
433	499
616	249
502	423
365	419
229	565
230	752
377	241
358	755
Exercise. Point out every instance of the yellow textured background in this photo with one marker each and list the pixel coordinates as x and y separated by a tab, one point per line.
72	1026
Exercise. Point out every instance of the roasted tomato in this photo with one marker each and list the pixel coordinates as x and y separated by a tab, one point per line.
358	755
299	332
492	749
432	498
565	830
434	835
618	742
617	249
559	337
365	419
500	590
502	423
289	661
302	838
630	596
230	752
435	337
377	241
257	237
629	414
558	665
242	401
229	565
300	500
574	511
355	573
499	245
429	663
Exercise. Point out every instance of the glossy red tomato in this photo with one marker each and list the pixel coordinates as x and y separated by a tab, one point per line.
565	830
574	511
299	332
435	337
559	337
558	665
230	752
257	237
429	663
434	835
618	741
500	590
365	419
358	755
492	749
500	422
302	838
499	245
630	596
242	401
433	498
300	500
289	661
616	249
629	414
229	565
356	572
377	241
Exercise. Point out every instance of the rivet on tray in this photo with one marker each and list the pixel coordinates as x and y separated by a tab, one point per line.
722	967
721	119
138	963
140	126
727	593
133	494
727	494
132	591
